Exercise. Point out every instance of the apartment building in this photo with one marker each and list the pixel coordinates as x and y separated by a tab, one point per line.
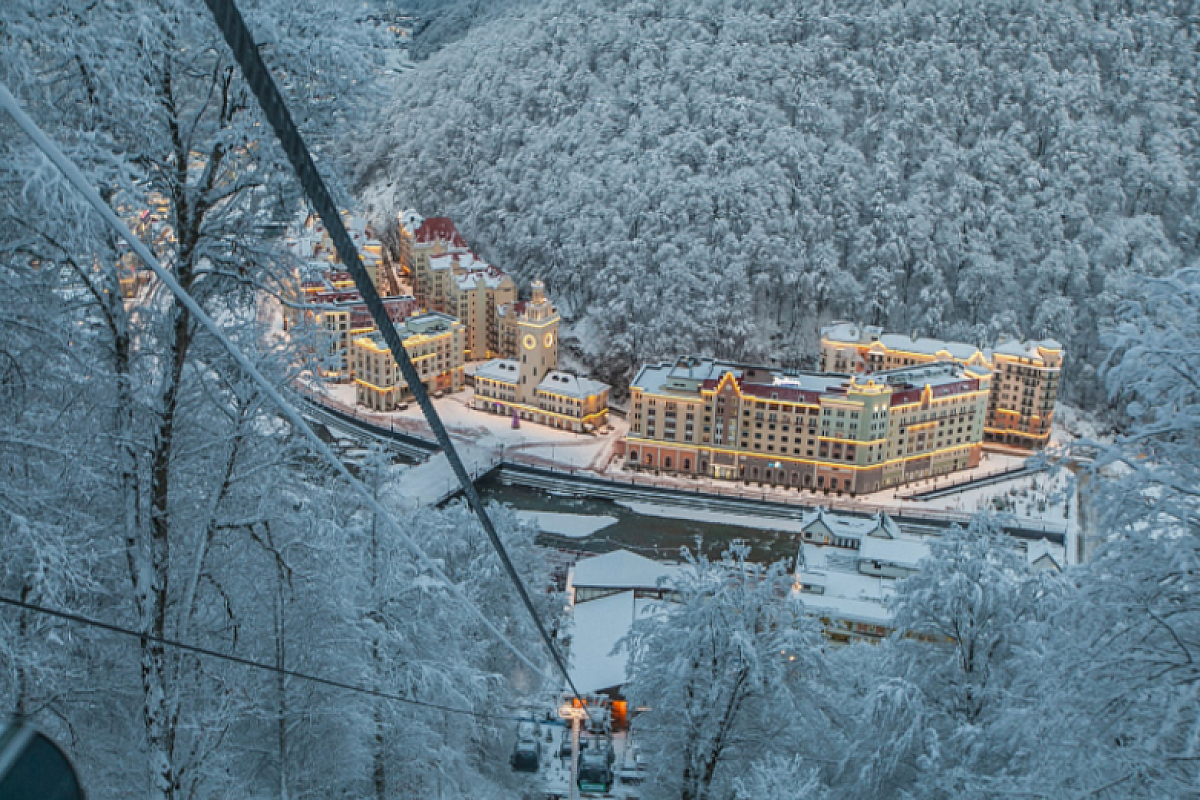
310	241
1025	381
449	278
475	292
822	431
434	343
433	237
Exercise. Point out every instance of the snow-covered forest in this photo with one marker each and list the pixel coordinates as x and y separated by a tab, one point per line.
716	177
145	481
722	177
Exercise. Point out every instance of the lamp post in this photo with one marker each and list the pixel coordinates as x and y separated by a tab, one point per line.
568	711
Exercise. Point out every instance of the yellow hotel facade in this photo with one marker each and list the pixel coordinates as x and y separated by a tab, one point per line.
529	385
434	343
1025	383
819	431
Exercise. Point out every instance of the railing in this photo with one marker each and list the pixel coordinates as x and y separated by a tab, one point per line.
969	480
782	499
778	499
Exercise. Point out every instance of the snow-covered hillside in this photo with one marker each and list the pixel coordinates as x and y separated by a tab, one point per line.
722	177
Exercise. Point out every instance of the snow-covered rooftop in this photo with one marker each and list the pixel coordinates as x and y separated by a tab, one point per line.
499	369
872	612
597	627
852	332
927	346
569	385
904	552
684	375
1030	349
621	569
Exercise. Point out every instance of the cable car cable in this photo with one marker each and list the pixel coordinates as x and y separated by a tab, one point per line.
246	662
233	26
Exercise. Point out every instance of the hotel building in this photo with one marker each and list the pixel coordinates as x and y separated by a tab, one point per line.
823	431
449	278
529	385
1025	374
434	343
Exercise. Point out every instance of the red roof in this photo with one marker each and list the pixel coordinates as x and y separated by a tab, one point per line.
945	390
439	229
784	394
336	297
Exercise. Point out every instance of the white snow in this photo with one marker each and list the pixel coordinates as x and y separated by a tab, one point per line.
901	552
718	517
620	569
597	626
574	526
531	442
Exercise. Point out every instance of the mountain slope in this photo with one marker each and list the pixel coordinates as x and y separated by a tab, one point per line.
722	177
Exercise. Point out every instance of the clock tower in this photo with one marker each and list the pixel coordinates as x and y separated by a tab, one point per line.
537	344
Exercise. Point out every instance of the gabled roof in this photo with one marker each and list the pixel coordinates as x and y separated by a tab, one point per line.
597	627
1044	555
621	569
885	527
841	526
569	385
906	553
439	229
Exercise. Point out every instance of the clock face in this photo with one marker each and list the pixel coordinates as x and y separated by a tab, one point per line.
549	340
530	342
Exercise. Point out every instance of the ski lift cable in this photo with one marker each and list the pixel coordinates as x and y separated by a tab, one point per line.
237	35
246	662
9	103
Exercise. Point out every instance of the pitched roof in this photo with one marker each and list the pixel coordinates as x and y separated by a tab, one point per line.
621	569
439	229
597	627
569	385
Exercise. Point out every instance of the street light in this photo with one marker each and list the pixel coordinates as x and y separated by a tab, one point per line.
568	710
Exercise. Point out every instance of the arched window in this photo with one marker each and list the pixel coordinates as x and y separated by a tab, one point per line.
633	455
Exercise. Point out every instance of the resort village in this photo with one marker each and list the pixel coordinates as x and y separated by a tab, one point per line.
883	410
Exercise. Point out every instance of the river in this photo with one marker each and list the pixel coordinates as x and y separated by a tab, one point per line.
651	536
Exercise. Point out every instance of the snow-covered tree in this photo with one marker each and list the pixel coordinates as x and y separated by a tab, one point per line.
724	675
739	174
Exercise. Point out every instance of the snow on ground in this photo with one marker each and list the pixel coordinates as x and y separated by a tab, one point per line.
1071	424
718	517
574	526
1042	496
597	626
483	439
538	443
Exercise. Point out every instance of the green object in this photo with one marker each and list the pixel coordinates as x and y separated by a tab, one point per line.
34	768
